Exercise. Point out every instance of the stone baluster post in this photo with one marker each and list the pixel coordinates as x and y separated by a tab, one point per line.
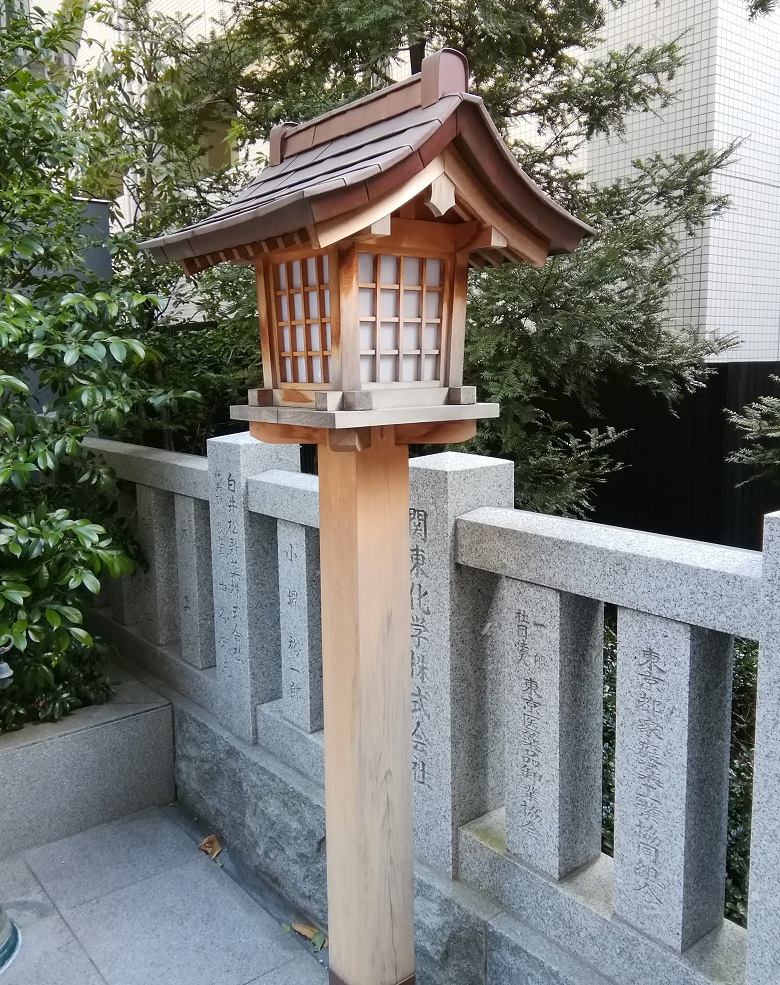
196	598
157	534
553	662
454	693
764	900
126	594
301	624
671	780
246	586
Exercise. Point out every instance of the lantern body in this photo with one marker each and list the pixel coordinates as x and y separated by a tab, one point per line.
362	230
372	327
368	327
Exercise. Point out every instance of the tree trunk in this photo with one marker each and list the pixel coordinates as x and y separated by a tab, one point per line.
416	55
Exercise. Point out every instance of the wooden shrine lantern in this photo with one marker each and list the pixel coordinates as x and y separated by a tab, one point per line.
361	231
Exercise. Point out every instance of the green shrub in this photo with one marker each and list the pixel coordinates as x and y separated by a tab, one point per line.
66	341
743	727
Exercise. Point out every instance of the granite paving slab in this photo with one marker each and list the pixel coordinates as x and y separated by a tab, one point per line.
50	955
304	971
22	896
109	857
117	758
191	925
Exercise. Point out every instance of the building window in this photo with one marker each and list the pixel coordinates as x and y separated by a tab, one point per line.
400	311
303	324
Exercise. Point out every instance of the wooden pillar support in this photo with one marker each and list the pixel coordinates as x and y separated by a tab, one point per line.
364	548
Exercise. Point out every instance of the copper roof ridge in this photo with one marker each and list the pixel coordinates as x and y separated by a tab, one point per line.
444	73
355	104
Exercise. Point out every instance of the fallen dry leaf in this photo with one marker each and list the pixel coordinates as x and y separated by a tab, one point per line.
211	846
317	937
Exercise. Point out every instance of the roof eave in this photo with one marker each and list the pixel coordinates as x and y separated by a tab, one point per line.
280	217
493	163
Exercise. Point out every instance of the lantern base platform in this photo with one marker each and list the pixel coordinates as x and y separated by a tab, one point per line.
309	417
358	439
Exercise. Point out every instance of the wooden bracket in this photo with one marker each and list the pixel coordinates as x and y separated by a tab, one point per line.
288	434
483	238
379	228
349	439
521	241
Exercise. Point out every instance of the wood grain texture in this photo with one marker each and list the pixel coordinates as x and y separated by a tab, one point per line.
376	230
270	371
260	397
328	399
424	236
378	398
346	358
333	979
364	548
287	434
351	439
453	371
484	237
416	414
342	227
435	433
462	395
441	195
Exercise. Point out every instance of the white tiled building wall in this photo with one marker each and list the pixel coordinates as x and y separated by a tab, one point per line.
729	89
744	274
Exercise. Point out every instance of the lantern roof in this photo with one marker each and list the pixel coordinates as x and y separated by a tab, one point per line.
339	173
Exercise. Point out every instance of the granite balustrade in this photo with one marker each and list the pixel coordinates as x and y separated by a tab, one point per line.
505	662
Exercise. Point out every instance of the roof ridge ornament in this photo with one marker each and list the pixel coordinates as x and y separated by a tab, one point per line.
275	140
444	73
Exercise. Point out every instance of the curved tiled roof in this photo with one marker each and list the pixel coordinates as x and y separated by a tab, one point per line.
359	153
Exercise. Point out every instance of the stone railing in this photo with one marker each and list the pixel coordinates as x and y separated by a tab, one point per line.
506	655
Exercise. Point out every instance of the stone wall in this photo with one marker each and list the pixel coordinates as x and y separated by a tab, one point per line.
505	653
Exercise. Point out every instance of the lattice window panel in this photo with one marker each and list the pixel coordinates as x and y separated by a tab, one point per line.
303	325
400	311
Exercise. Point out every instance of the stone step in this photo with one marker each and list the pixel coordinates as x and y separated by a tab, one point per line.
97	765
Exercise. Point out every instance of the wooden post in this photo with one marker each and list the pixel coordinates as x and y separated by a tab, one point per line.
364	548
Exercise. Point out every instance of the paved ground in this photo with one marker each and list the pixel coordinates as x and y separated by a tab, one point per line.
135	903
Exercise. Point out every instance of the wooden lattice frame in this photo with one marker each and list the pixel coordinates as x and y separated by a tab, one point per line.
302	320
342	285
400	286
270	309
